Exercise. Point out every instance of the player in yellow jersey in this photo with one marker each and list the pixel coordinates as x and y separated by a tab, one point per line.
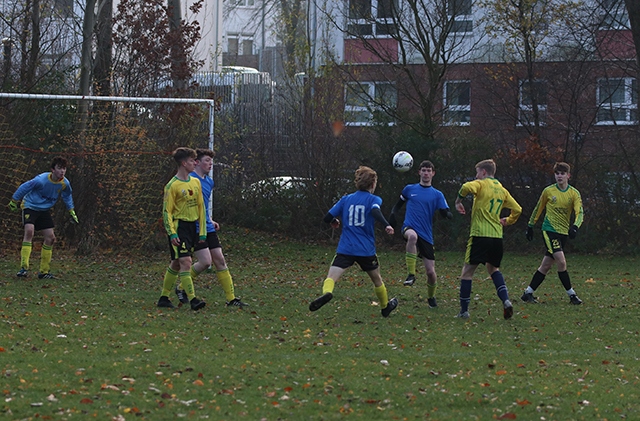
182	209
485	241
558	201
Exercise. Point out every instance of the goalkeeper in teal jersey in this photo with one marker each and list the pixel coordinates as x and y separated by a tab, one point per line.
38	197
558	201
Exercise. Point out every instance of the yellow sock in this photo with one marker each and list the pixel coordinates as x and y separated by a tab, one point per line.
25	254
187	283
431	290
381	293
45	258
170	277
411	260
193	273
224	277
328	286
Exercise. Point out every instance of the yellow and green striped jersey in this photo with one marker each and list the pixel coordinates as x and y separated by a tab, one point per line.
489	197
558	206
183	202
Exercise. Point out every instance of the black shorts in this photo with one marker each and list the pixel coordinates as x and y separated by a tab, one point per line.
41	220
425	249
554	242
366	263
482	250
188	239
212	242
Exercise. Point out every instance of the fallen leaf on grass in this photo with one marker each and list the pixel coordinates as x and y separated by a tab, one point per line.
501	372
198	382
523	402
86	400
507	416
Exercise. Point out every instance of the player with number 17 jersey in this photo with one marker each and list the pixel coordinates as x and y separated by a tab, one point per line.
489	199
358	238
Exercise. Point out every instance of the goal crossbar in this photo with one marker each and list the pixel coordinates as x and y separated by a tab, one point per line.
209	102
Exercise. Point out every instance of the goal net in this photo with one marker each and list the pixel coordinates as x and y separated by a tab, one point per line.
119	159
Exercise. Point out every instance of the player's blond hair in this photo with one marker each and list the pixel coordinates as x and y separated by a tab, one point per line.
365	178
488	165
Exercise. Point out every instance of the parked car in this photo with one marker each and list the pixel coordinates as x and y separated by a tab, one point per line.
278	187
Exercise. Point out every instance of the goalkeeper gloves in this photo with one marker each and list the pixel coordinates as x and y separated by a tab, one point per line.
529	233
573	231
74	217
13	206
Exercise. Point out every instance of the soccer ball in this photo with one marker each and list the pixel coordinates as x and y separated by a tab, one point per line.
402	161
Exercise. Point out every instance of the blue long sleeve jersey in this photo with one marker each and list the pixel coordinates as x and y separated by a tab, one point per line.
41	193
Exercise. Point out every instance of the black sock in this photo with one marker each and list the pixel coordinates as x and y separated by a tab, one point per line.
537	279
564	278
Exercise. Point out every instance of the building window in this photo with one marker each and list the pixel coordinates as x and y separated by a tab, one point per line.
366	102
375	18
457	103
532	92
247	47
617	101
613	15
459	11
232	44
242	3
239	44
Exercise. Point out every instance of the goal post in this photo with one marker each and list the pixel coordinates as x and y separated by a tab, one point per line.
118	162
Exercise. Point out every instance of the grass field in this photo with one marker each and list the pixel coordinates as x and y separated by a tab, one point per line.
92	343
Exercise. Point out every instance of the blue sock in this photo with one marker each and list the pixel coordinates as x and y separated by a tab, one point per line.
501	287
465	294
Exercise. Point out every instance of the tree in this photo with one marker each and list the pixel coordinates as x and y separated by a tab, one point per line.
151	58
417	41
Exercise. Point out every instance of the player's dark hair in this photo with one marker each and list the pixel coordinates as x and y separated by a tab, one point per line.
204	152
488	165
427	164
562	167
182	154
60	161
365	178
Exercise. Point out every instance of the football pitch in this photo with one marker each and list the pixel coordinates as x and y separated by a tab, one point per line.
92	343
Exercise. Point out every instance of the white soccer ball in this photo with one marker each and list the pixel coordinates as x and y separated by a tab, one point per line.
402	161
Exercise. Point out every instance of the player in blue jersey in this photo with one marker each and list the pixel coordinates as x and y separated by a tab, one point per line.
38	196
210	250
423	200
358	212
